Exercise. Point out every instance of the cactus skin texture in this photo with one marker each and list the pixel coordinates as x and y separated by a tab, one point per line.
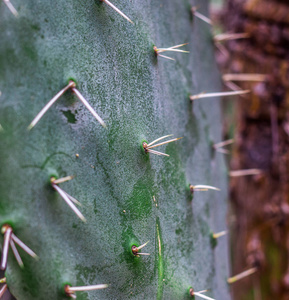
141	97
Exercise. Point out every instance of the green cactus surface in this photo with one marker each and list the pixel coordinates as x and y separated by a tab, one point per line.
128	197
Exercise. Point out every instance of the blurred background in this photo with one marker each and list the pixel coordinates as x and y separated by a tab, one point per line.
252	54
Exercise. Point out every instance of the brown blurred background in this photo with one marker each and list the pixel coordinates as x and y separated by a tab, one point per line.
259	124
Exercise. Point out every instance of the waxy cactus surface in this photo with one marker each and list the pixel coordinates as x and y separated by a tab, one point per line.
128	196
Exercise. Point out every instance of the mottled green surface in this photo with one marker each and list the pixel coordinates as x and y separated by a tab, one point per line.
140	97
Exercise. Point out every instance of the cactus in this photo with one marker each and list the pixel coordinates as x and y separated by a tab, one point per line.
129	195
